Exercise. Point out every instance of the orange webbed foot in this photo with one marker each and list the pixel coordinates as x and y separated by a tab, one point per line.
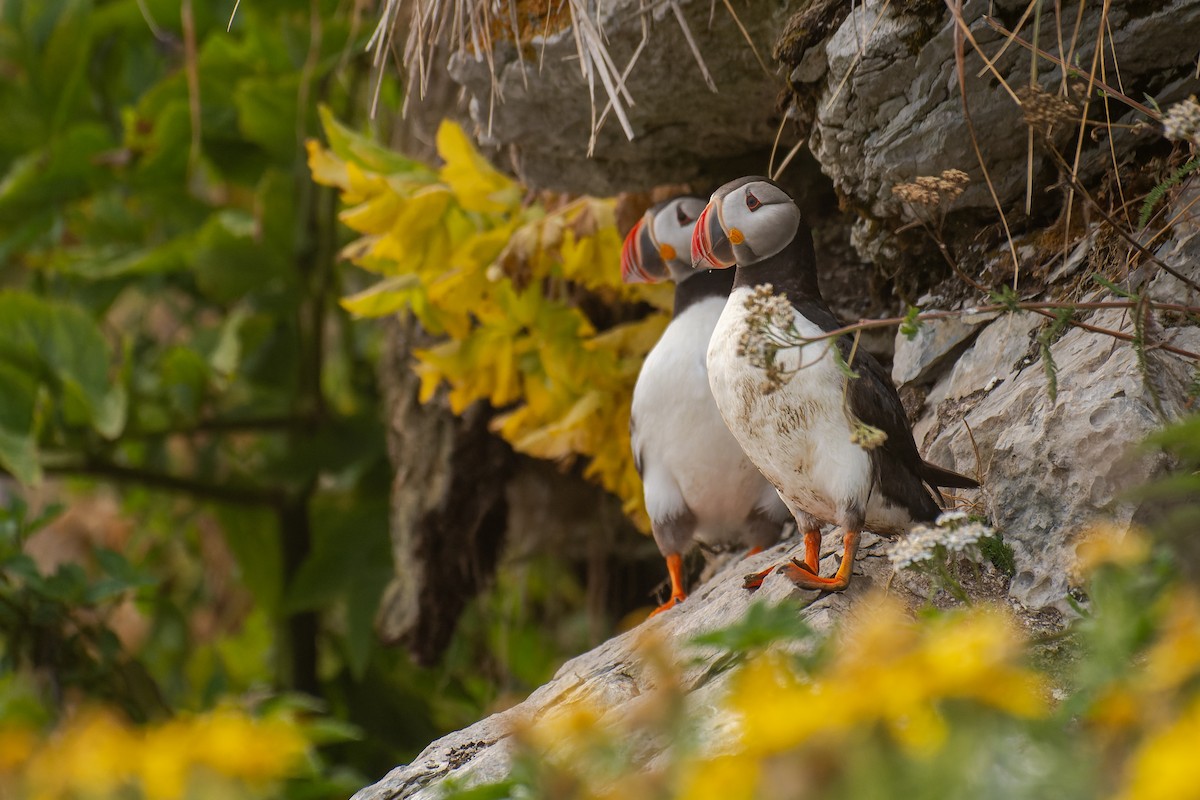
674	601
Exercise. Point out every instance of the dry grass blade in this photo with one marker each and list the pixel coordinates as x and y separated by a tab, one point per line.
1097	83
1097	54
232	14
988	63
687	34
745	35
858	54
1009	38
775	145
597	63
1112	147
1033	84
788	160
961	34
624	77
1116	226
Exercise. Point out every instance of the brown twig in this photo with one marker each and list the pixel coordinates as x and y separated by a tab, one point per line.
1044	309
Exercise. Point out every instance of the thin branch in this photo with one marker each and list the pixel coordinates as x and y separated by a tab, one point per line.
202	490
1044	309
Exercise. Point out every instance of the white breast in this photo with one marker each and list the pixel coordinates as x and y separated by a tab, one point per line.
798	435
688	455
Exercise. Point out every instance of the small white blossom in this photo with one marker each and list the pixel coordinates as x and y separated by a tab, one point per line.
1182	121
953	532
919	545
948	517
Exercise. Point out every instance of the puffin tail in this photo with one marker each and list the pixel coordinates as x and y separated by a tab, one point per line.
938	476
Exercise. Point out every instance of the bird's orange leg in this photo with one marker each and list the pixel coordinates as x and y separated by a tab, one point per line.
812	555
753	551
678	595
800	574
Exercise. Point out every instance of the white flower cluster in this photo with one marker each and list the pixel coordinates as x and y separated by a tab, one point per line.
770	327
1182	121
953	532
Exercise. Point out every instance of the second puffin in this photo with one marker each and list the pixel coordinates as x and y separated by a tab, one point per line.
698	483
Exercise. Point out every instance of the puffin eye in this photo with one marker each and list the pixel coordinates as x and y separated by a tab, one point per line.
682	217
752	202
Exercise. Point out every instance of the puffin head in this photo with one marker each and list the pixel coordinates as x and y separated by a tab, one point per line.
746	221
657	247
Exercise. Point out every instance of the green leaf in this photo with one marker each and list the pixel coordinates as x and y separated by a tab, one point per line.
48	177
227	355
763	625
351	146
18	445
253	536
1160	191
912	324
230	263
267	113
63	349
351	561
184	374
386	297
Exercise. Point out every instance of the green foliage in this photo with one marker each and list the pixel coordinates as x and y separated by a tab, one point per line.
1160	191
56	622
762	626
999	553
1048	336
911	325
1005	295
169	323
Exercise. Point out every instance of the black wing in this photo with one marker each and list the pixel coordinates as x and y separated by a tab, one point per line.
897	464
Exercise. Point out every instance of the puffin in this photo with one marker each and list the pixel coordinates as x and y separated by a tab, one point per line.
699	486
802	434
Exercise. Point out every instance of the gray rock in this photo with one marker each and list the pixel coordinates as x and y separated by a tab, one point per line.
935	344
887	106
617	677
542	112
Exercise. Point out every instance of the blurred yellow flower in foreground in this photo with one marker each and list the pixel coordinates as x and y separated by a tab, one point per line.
1175	656
1164	766
1105	543
96	754
890	671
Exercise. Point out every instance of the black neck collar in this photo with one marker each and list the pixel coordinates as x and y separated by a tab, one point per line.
701	286
791	271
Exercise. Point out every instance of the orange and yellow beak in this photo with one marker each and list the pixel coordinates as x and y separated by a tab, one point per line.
711	248
640	258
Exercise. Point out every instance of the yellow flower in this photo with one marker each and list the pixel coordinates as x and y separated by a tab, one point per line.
1164	768
730	777
166	752
889	671
1105	543
90	754
16	746
1175	656
238	746
326	168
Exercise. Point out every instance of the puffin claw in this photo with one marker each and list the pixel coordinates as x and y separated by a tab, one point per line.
800	565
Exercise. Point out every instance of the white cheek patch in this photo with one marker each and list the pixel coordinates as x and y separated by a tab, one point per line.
764	232
668	231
